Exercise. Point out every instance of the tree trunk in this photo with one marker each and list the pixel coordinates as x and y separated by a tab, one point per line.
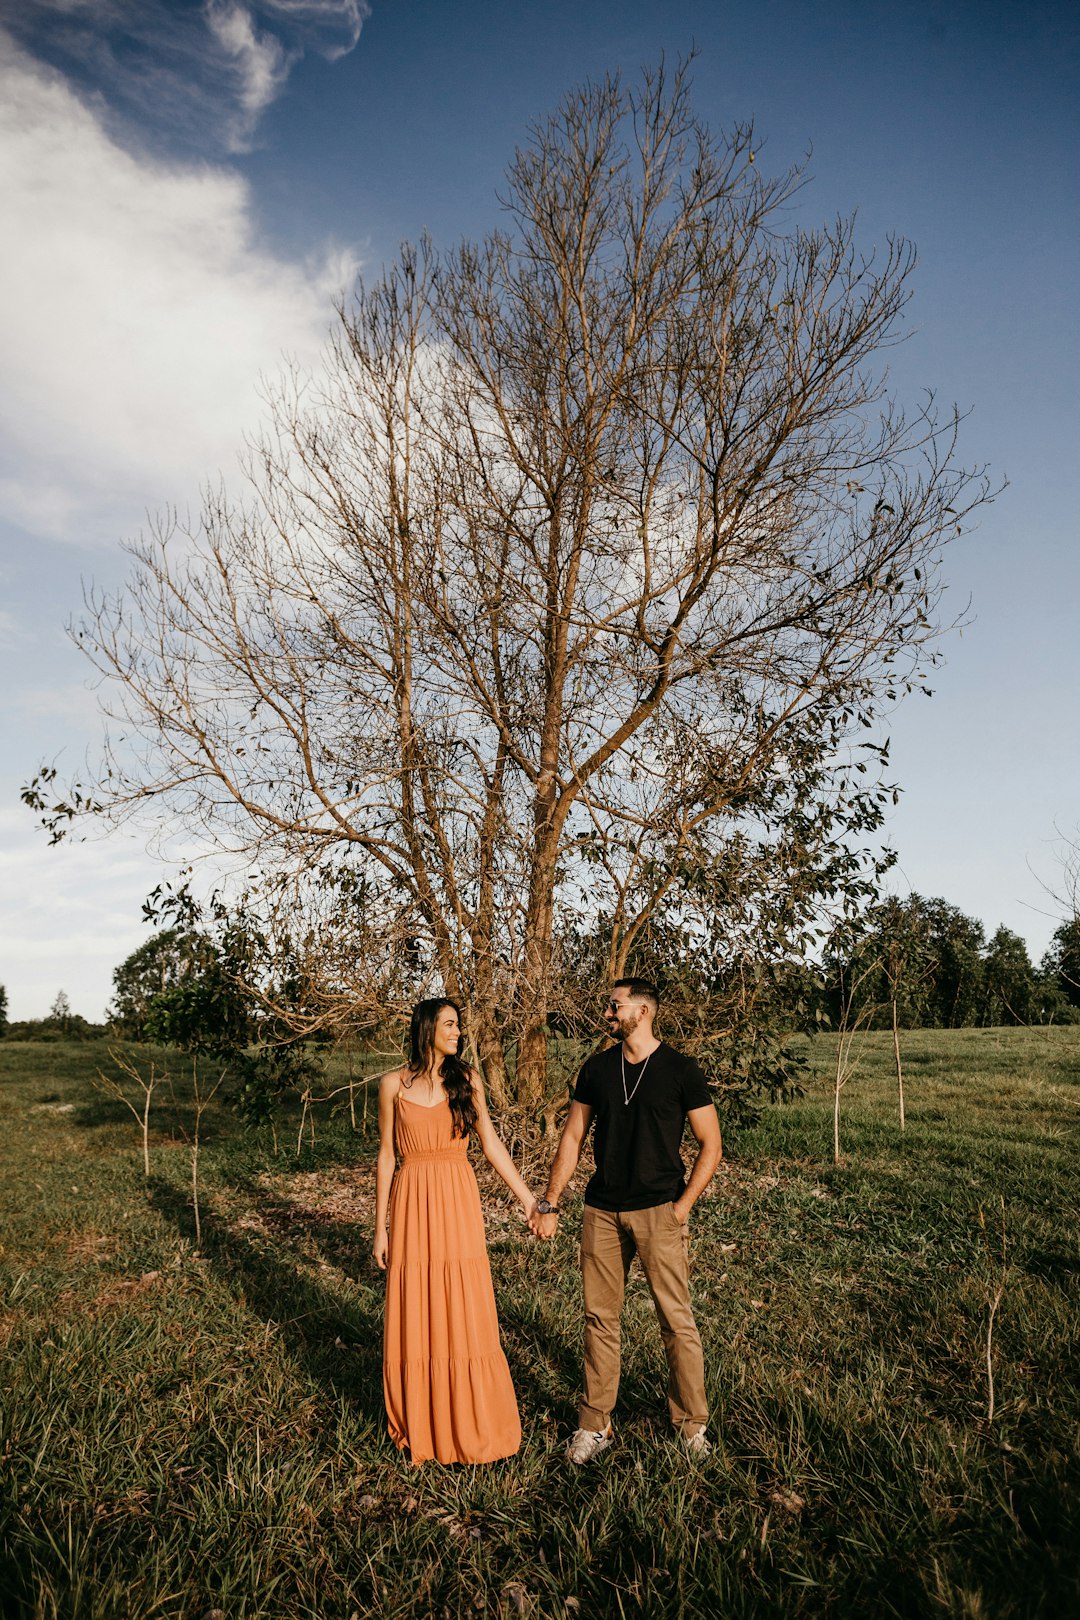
899	1068
486	1033
531	1086
146	1126
195	1182
489	1050
548	817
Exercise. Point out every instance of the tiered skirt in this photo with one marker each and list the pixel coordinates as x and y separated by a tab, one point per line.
448	1390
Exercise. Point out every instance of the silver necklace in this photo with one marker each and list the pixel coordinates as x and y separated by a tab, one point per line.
622	1060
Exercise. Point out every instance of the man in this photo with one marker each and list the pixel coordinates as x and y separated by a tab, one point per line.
640	1093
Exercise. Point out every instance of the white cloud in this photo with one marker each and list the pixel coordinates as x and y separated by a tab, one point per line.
69	916
261	62
196	76
331	27
136	314
137	311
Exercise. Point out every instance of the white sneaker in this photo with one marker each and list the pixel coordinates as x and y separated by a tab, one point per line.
697	1445
585	1444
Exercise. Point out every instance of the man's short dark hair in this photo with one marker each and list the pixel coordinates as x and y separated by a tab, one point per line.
640	990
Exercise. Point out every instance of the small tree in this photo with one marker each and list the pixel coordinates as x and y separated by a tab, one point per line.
3	1012
855	1013
1008	981
925	949
907	965
243	1003
170	957
204	1095
146	1083
998	1265
60	1012
208	1013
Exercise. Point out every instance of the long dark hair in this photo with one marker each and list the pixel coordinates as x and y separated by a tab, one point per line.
456	1079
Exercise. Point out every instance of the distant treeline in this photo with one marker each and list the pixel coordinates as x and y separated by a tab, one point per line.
942	973
923	953
61	1024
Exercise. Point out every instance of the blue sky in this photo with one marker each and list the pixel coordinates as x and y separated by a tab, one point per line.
187	186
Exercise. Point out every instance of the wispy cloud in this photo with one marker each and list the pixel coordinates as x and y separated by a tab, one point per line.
321	21
261	61
187	77
137	311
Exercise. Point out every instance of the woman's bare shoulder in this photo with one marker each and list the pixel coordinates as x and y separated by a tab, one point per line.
390	1082
476	1081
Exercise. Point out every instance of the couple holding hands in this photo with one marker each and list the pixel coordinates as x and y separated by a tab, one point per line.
446	1381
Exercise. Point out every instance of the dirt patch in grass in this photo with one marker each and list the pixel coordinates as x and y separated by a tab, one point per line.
126	1291
113	1294
343	1194
84	1245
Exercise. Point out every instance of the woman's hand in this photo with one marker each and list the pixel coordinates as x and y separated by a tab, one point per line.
380	1249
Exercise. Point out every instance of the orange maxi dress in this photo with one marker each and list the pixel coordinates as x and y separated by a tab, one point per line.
447	1385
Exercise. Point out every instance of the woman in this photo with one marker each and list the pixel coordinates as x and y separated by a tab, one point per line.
445	1379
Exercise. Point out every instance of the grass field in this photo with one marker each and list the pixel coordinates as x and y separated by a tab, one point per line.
191	1431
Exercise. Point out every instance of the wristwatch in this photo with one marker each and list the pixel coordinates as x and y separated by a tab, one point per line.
544	1208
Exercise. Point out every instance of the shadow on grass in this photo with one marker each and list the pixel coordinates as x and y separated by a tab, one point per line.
310	1317
544	1368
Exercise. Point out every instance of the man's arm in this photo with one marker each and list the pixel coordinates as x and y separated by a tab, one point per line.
706	1128
563	1165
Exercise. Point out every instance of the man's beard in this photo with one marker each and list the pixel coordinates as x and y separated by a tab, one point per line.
620	1028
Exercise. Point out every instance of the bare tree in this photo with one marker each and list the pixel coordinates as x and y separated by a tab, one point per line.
202	1099
906	966
146	1083
855	1015
590	541
999	1276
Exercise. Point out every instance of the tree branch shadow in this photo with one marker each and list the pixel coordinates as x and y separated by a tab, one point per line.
332	1327
333	1335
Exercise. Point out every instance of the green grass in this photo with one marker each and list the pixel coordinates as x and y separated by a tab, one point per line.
184	1432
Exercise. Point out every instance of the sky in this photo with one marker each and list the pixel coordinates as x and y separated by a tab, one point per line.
188	186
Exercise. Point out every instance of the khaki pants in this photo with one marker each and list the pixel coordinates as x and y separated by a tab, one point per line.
609	1241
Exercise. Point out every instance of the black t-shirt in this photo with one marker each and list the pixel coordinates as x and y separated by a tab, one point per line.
636	1145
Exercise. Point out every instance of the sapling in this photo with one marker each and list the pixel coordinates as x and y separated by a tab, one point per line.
848	1026
996	1296
113	1088
202	1102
